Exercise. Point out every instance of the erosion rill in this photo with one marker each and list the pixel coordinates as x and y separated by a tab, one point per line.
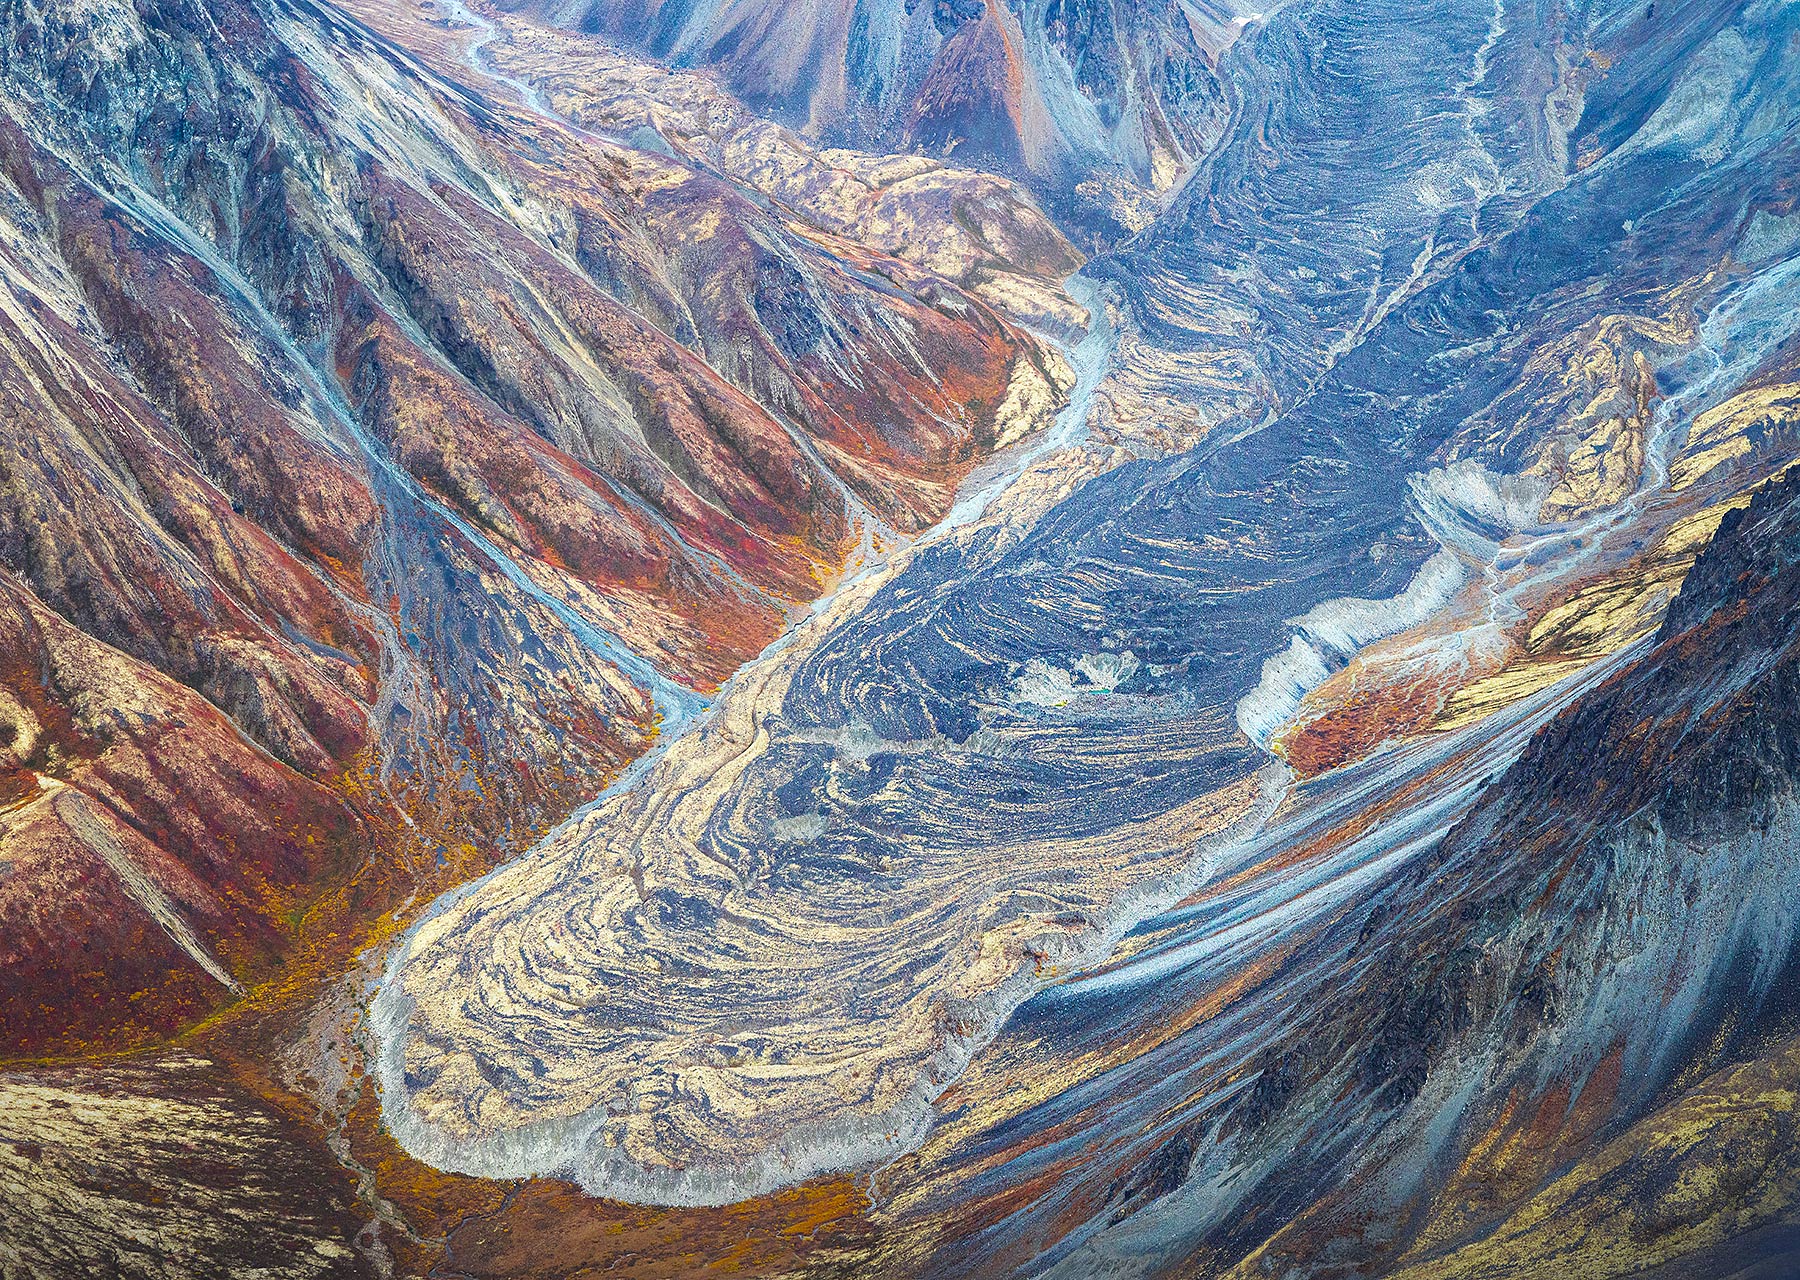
882	640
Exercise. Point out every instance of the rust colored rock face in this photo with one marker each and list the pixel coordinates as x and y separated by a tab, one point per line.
153	858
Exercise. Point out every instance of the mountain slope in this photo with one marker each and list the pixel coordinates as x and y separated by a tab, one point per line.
362	433
1101	107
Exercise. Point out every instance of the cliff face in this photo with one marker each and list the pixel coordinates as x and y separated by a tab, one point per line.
362	431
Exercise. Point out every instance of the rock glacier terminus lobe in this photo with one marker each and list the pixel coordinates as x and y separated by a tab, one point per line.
1424	343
